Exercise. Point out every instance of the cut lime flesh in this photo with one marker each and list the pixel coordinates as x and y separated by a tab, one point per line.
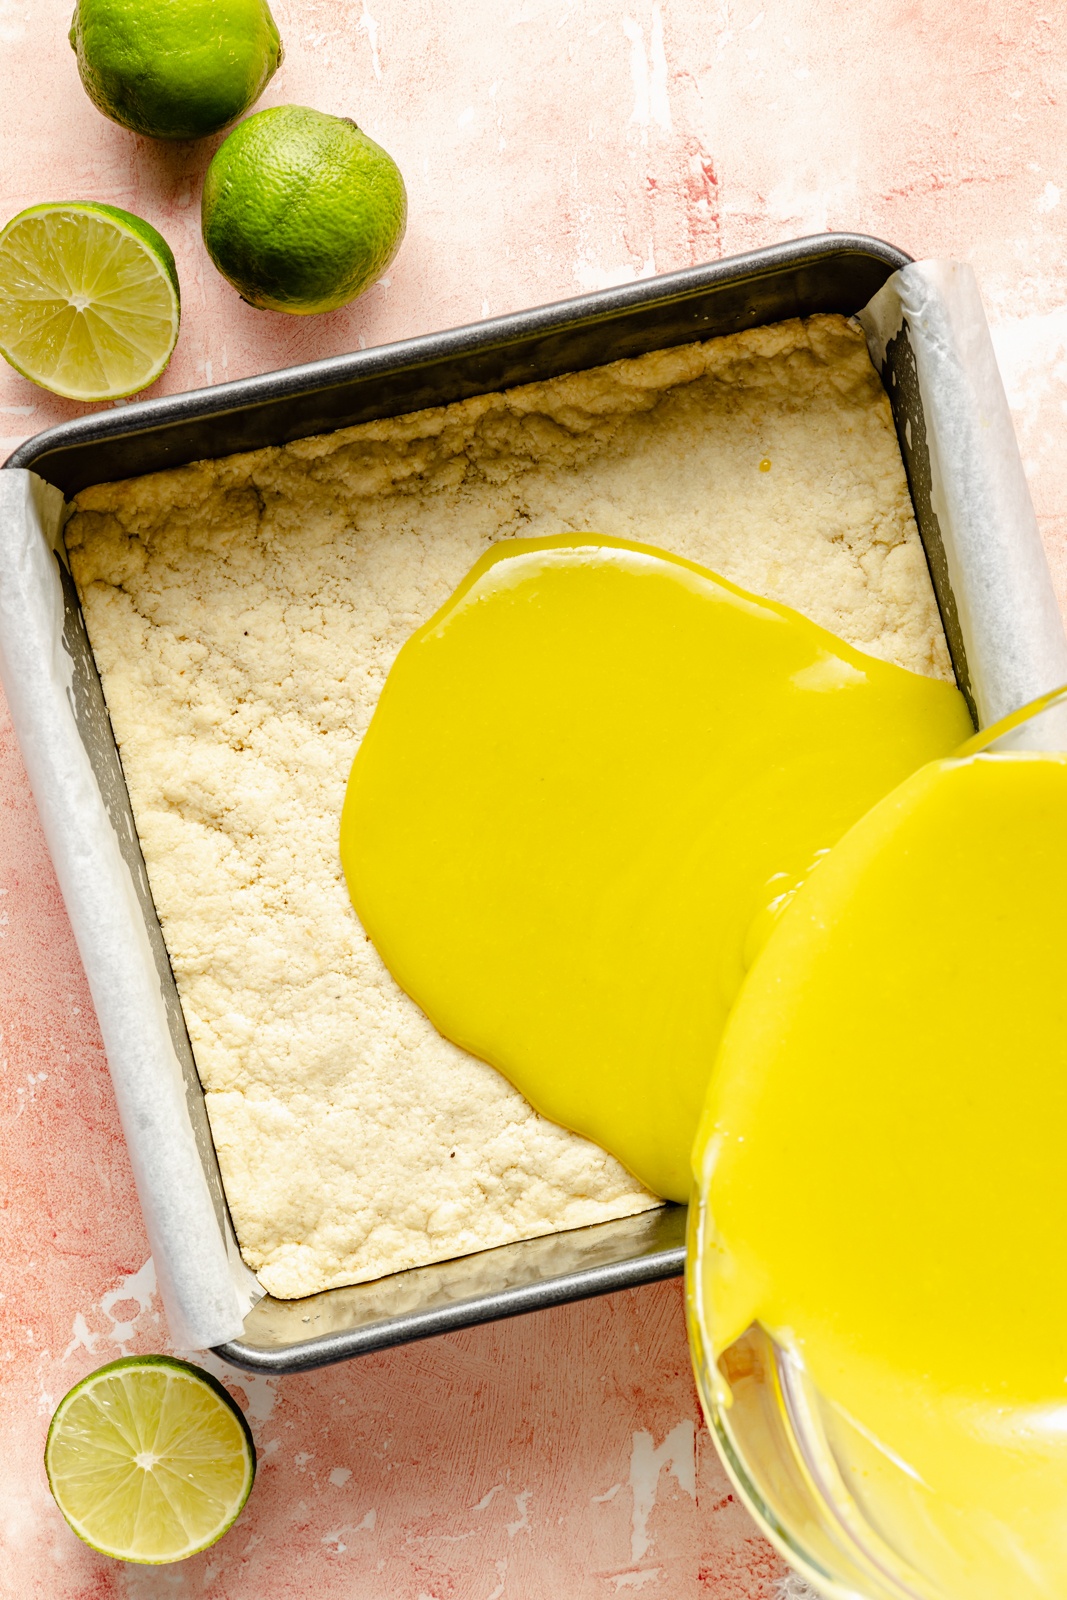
89	302
149	1460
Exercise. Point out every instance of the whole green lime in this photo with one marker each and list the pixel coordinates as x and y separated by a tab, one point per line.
301	211
175	69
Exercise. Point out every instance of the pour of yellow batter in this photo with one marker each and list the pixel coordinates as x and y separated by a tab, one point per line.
591	782
885	1161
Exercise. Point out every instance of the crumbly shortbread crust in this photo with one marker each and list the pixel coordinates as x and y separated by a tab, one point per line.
244	614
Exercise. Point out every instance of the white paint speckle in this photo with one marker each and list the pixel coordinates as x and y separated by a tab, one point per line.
140	1287
487	1499
339	1476
336	1541
677	1454
591	276
522	1522
609	1494
658	102
368	26
638	70
501	1579
1049	198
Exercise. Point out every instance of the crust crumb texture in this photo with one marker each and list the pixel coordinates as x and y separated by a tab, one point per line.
244	614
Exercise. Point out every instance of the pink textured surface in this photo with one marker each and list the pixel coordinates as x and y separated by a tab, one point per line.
549	146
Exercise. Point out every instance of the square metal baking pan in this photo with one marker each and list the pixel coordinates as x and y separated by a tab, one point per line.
828	273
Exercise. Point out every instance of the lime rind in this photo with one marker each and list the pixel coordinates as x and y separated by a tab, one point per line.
89	300
149	1460
175	71
301	211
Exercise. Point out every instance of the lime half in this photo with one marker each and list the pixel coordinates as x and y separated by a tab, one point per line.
149	1459
89	303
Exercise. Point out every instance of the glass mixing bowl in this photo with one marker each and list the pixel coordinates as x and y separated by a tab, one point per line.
840	1508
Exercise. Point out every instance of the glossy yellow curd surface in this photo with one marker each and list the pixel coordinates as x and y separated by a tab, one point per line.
884	1165
591	782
